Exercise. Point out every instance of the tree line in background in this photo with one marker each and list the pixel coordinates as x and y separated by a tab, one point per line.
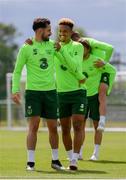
8	49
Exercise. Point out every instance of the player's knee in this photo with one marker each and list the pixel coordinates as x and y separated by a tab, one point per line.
102	96
53	130
33	128
77	125
65	130
103	91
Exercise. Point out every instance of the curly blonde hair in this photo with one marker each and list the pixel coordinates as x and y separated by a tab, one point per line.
66	21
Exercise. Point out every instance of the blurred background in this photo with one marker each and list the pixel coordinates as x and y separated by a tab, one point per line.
104	20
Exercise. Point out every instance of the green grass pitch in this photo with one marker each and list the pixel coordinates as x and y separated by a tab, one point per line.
111	164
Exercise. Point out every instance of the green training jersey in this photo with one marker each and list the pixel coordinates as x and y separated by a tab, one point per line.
39	61
100	49
94	75
68	64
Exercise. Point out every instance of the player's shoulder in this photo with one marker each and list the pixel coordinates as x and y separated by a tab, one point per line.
51	42
76	44
89	39
25	49
25	46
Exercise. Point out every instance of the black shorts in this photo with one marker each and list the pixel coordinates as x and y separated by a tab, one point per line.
74	102
41	103
93	108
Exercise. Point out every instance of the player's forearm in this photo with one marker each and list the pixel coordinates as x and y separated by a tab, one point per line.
60	57
107	48
108	53
109	68
16	82
71	65
17	72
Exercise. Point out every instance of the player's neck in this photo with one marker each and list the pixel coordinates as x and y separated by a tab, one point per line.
38	38
66	42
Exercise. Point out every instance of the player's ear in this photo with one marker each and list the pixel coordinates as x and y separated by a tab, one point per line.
28	41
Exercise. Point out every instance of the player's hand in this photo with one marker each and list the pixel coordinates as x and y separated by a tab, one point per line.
28	41
82	81
99	63
57	46
16	98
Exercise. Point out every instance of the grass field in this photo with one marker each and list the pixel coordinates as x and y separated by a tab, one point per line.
111	164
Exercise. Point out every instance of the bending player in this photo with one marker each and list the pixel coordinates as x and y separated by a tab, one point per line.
93	68
103	51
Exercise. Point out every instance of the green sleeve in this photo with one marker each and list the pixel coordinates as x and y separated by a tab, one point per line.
74	62
112	71
107	48
20	62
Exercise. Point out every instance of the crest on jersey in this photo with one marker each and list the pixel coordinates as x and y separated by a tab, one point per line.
29	110
82	107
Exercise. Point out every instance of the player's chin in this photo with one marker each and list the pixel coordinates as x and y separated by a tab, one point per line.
46	39
62	39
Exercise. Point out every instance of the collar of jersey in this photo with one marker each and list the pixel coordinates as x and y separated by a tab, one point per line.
67	43
37	42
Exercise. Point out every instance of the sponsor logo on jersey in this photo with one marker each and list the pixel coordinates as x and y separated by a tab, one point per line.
43	63
35	51
63	67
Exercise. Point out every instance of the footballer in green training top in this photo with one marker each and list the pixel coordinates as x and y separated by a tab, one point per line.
40	95
93	75
71	91
104	51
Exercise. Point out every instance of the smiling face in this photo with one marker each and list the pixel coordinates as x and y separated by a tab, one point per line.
65	33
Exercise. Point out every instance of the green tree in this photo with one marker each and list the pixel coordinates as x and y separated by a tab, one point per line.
8	49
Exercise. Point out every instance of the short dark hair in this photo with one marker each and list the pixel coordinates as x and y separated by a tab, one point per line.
85	43
40	23
67	22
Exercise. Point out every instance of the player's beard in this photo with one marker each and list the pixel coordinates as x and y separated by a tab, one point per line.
45	38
